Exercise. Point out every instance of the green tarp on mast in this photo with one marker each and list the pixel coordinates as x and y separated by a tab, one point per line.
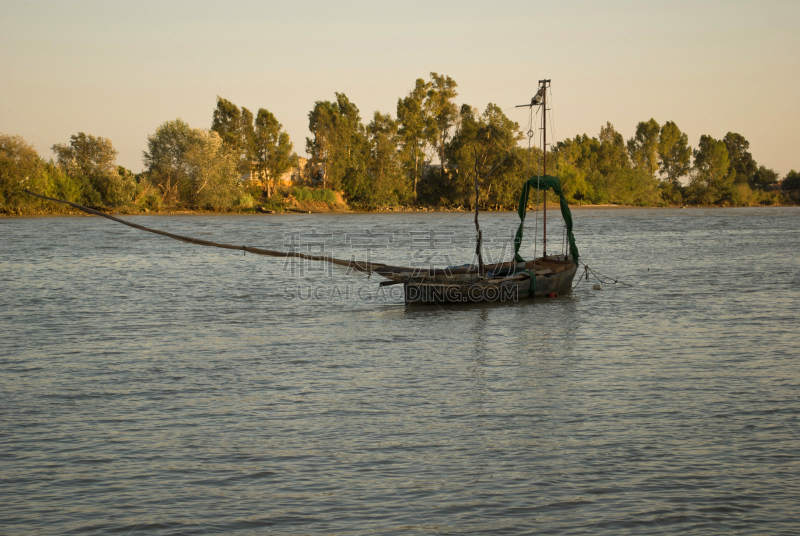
544	182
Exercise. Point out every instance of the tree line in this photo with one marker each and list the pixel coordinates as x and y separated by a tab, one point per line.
429	153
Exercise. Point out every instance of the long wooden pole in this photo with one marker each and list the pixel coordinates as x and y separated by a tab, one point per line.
481	269
544	171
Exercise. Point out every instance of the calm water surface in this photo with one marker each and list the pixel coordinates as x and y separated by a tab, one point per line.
153	387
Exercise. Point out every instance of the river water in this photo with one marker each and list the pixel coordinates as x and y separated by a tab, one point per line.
153	387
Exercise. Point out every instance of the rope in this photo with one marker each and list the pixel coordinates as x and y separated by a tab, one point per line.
586	273
609	278
552	119
360	266
536	214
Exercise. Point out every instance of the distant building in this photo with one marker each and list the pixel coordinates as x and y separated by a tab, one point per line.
296	174
293	176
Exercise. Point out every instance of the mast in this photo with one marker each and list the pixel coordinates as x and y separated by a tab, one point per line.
544	169
544	84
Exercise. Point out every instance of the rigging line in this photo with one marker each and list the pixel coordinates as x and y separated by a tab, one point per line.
530	134
552	119
596	273
538	191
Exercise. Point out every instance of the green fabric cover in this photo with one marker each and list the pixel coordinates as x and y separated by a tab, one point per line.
544	183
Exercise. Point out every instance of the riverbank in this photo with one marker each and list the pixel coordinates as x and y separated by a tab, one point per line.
314	207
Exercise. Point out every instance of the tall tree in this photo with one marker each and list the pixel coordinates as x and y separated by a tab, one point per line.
643	147
417	130
165	159
386	184
339	144
191	165
439	104
235	127
714	176
740	159
213	179
323	122
272	148
613	154
674	153
581	152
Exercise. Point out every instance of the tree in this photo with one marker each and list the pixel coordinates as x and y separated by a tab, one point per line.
791	182
235	127
386	181
439	104
88	154
612	152
94	160
674	153
643	147
483	144
165	159
581	152
625	186
191	165
764	178
417	130
272	148
323	124
714	177
213	179
741	161
573	180
339	144
20	167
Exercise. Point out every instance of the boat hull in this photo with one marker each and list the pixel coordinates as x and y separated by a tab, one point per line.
509	290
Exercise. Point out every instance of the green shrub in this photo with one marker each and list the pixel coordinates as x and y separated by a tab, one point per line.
253	190
324	195
742	196
302	193
319	194
148	197
245	201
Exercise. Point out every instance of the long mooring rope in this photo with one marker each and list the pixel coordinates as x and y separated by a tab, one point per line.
360	266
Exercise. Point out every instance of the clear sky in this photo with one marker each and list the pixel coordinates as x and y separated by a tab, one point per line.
119	68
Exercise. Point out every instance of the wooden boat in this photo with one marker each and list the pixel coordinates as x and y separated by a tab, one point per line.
543	277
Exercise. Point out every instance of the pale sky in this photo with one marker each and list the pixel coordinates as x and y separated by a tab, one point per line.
120	68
